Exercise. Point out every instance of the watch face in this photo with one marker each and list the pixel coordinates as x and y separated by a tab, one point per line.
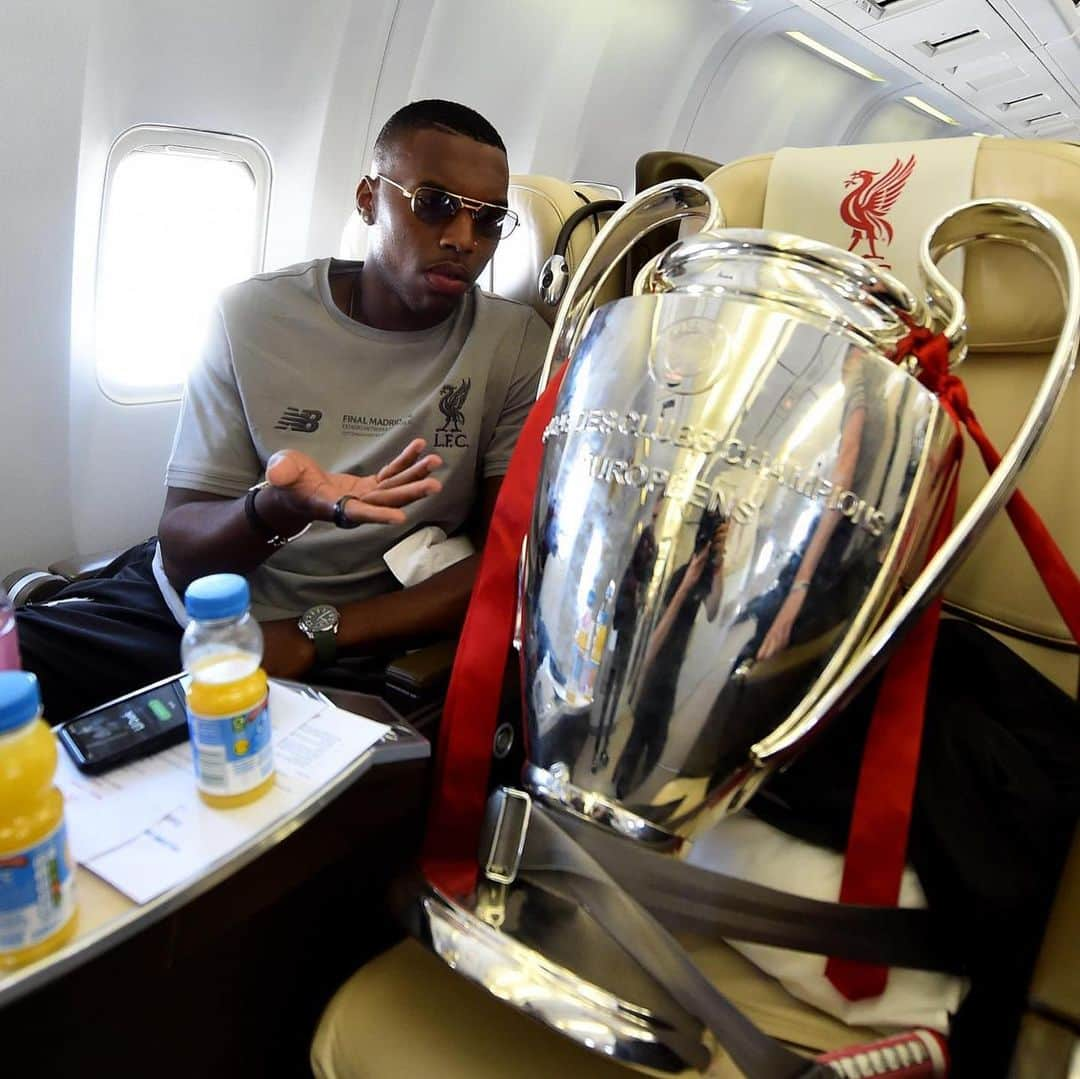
320	619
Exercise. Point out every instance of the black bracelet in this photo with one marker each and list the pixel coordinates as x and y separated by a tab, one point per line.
257	523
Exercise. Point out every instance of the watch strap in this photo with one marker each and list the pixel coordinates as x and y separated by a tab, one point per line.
325	641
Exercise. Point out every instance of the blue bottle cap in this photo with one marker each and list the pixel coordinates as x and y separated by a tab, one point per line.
221	595
20	699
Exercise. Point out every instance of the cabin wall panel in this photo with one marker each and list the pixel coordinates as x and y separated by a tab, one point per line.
894	121
507	66
38	162
643	77
348	122
772	94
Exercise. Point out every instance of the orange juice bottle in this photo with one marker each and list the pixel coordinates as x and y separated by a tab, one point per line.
37	875
227	702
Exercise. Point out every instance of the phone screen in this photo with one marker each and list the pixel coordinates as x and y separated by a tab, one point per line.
118	730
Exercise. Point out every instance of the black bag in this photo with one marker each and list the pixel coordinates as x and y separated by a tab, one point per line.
996	804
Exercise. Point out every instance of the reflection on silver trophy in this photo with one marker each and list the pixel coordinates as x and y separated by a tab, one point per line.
731	528
736	484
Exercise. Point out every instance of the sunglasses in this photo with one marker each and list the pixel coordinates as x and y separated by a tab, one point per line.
434	206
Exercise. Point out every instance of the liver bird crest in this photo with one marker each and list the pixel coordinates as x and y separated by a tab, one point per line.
451	401
866	207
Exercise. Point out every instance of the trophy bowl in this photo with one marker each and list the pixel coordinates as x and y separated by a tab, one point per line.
723	514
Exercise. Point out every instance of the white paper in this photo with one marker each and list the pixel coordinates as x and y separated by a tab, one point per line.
144	829
424	553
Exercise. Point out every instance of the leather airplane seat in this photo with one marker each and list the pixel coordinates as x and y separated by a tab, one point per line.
1013	313
659	165
401	1014
544	205
654	168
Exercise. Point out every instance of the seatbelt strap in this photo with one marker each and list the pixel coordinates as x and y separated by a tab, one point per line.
690	897
548	855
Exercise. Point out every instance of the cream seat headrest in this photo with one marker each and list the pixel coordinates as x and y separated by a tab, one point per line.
1014	315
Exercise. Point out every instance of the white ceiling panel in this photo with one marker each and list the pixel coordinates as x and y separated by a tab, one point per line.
1009	93
1048	20
1066	56
938	40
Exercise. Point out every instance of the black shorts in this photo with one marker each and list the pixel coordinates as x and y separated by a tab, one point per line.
100	638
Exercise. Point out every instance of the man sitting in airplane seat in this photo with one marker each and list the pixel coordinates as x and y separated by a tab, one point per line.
312	378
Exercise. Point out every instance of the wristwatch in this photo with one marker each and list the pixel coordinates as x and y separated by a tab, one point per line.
320	624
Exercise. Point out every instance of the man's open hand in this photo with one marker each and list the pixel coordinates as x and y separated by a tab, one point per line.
306	490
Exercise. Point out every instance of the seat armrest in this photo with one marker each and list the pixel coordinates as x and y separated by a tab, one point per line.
87	565
423	670
30	585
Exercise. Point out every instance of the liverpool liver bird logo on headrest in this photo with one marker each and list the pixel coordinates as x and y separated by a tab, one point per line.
451	402
866	207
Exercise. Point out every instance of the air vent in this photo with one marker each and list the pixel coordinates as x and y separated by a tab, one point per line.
1047	119
952	43
879	8
1017	102
1054	125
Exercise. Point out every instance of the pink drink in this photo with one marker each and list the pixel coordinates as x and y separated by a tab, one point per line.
9	642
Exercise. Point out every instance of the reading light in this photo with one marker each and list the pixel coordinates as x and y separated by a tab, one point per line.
829	54
922	106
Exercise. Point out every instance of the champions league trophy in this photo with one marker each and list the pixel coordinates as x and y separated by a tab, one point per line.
731	528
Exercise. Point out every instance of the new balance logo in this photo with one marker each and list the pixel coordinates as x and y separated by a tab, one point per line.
303	420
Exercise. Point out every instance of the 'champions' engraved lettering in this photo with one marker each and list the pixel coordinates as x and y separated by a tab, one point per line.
683	487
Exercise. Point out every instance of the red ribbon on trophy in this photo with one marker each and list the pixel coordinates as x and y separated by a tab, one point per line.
470	714
884	797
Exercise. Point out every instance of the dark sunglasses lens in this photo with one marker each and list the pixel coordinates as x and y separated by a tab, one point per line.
433	206
492	222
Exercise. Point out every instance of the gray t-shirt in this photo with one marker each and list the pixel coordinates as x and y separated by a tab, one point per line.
284	368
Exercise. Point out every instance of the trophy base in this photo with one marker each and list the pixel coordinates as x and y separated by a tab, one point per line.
546	957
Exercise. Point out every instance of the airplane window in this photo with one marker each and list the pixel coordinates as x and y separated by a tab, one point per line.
182	219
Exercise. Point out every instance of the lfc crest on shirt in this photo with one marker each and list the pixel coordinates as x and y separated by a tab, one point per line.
451	405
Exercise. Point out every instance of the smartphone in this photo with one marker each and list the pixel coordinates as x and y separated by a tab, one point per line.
123	730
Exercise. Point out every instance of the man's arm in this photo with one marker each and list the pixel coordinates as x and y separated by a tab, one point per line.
436	605
203	533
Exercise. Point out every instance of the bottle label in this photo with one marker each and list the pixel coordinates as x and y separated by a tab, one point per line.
37	892
232	753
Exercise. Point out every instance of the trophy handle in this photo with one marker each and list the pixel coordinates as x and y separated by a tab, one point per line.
1004	221
673	200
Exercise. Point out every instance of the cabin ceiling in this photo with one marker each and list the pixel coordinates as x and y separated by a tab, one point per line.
1015	63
